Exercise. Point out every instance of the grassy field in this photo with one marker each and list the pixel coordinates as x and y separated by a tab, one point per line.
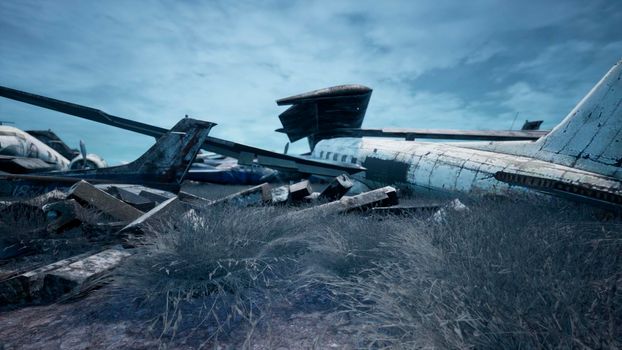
503	274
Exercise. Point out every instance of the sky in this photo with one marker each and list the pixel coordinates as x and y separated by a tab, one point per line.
431	64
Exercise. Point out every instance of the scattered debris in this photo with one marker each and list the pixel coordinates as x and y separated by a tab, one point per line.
454	205
192	199
169	207
279	194
77	276
85	193
28	285
313	197
386	196
406	209
62	213
139	202
157	198
256	195
52	196
337	188
299	190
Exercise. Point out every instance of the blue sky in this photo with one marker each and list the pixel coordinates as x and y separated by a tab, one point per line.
432	64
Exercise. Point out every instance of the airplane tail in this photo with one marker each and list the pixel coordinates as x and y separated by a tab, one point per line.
167	161
590	137
319	114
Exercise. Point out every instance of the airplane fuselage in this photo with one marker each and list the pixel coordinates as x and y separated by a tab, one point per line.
446	167
15	142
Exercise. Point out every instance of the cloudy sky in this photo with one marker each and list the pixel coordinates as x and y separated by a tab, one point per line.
432	64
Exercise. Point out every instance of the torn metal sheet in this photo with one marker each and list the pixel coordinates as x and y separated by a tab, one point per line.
65	214
89	195
257	195
385	196
133	199
336	188
153	217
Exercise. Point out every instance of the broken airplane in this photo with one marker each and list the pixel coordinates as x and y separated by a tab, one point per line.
581	158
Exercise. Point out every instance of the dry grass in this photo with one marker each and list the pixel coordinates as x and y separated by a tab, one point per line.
501	275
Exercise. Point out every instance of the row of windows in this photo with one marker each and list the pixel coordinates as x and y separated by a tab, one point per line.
337	157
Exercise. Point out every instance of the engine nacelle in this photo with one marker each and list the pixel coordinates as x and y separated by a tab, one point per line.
93	161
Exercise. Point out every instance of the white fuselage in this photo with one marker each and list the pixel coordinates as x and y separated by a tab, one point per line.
15	142
447	167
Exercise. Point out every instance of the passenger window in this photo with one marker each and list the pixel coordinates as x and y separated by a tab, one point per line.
353	161
335	156
328	155
343	158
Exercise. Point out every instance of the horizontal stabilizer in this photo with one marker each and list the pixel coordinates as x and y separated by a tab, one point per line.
320	111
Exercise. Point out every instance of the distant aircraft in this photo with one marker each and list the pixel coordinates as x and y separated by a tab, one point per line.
581	158
39	151
163	166
251	163
216	168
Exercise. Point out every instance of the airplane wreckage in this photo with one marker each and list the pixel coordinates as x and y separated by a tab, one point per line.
579	159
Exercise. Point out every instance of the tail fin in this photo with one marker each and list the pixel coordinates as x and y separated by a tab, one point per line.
322	111
167	161
590	137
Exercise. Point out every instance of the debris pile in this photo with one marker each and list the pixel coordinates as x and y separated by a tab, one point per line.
122	212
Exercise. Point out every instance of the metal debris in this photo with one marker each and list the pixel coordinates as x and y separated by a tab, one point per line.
88	194
193	199
279	194
139	202
257	195
455	205
402	210
386	196
337	188
28	285
63	214
154	196
300	190
77	276
171	206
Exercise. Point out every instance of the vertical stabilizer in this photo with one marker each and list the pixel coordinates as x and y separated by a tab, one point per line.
590	137
167	161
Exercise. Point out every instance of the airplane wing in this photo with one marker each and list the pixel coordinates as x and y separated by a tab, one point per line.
81	111
23	165
441	134
246	155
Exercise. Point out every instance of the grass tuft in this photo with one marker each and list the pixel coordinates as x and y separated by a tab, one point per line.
504	274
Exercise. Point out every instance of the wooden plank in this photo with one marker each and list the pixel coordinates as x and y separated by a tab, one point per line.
77	276
28	285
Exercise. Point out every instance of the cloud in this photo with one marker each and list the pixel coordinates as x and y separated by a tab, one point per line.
431	63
